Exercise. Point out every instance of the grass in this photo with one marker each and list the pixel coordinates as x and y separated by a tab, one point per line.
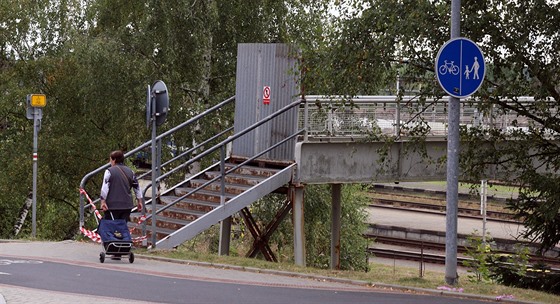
198	251
494	189
378	274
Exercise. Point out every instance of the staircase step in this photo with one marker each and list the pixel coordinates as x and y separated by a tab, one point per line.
202	195
168	220
181	214
189	204
217	186
252	170
136	231
173	213
238	179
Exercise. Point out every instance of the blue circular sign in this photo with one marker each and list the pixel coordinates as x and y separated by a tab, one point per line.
460	67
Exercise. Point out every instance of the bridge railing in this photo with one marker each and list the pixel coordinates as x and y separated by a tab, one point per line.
361	116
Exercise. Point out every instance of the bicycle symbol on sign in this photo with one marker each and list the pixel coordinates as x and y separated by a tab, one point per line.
449	67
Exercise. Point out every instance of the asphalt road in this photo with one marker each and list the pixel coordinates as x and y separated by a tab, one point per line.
126	282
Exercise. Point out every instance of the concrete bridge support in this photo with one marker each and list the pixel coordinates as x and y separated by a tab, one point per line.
336	194
298	219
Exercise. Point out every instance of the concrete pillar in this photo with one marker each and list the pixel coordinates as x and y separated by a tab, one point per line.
336	194
298	220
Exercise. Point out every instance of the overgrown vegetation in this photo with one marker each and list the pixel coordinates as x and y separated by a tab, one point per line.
481	254
317	230
378	274
486	265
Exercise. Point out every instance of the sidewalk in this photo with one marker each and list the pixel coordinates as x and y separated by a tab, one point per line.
87	254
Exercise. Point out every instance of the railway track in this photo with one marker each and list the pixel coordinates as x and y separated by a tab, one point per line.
410	256
433	252
411	205
416	251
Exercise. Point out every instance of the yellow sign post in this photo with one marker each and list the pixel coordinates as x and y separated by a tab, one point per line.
35	103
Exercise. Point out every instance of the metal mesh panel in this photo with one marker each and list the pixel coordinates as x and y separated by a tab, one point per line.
366	115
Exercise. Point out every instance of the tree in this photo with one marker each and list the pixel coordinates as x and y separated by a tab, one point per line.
28	40
353	245
375	39
93	59
524	64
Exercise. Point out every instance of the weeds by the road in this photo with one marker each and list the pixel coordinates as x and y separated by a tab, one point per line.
379	273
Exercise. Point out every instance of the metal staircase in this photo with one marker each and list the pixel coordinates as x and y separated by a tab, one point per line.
262	158
190	211
185	209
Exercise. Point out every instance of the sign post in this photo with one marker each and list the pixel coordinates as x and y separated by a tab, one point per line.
35	103
460	70
460	74
157	108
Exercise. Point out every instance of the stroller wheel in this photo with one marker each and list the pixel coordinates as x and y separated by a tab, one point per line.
102	257
131	258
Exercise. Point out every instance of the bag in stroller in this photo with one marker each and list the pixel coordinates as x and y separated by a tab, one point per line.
115	239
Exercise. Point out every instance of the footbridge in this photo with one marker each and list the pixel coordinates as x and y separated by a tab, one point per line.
387	138
281	141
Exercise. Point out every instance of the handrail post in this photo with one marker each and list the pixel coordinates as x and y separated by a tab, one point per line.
223	176
158	163
143	225
398	119
305	120
330	120
154	179
81	211
225	225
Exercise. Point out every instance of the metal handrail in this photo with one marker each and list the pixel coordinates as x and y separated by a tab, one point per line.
224	143
209	182
395	98
360	116
102	168
219	146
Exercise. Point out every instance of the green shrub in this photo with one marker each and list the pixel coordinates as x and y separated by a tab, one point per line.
481	255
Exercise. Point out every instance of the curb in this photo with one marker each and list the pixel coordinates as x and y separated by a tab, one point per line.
434	292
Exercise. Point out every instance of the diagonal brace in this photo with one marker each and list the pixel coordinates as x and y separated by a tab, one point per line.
261	239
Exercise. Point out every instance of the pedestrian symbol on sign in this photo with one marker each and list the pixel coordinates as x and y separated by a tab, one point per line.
460	67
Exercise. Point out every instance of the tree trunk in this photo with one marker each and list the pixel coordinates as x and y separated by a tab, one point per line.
23	213
204	88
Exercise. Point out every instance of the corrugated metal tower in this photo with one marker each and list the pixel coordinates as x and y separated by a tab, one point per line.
267	80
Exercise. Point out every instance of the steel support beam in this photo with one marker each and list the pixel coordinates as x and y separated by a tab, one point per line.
225	236
261	239
336	194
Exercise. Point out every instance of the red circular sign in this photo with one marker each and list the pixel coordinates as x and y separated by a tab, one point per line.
266	95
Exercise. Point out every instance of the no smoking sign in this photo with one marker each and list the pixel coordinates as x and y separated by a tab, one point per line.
266	95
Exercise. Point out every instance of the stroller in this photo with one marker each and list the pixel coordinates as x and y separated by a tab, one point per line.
115	239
